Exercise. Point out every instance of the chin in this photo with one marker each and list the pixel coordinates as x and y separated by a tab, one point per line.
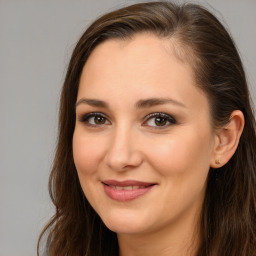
125	228
125	223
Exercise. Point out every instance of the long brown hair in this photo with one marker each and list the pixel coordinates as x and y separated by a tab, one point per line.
228	219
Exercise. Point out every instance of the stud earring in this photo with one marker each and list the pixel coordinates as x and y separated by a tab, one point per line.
217	161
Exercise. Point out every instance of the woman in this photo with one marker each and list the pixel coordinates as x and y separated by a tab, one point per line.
156	147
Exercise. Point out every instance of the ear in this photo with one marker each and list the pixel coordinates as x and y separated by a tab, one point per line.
227	139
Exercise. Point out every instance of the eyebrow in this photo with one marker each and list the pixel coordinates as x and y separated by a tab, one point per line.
157	101
140	104
93	103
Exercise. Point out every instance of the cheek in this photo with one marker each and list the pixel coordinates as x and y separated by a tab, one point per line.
181	154
86	153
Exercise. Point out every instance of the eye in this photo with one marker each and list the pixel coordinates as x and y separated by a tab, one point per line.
159	120
94	119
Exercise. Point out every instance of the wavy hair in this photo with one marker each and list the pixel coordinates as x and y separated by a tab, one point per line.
228	218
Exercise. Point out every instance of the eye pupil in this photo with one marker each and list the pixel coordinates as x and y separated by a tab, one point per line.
160	121
99	120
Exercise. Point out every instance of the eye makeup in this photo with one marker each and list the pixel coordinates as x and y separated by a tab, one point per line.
159	120
156	120
94	119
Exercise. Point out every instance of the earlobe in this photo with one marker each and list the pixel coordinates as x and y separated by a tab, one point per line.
227	139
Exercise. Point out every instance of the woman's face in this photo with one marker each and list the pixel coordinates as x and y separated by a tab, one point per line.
143	141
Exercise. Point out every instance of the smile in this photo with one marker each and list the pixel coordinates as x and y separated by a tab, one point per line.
126	190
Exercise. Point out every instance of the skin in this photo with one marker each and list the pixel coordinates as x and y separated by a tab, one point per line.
129	145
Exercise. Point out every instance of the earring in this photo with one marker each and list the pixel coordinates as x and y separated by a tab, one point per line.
217	161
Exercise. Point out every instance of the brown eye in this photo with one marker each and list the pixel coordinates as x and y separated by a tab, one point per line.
160	121
99	120
94	119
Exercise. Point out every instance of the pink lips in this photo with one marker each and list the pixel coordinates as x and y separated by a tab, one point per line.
126	190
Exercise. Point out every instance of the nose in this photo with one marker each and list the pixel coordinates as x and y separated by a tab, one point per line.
123	152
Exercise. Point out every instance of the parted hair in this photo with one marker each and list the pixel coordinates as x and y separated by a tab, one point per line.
228	217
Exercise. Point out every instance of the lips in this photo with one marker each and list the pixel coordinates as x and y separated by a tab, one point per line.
126	190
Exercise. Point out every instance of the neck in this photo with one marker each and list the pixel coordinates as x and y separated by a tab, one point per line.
178	239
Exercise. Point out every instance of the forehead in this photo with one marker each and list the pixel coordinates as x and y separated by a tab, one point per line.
141	43
143	52
141	67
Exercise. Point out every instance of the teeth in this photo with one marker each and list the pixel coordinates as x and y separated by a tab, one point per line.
128	188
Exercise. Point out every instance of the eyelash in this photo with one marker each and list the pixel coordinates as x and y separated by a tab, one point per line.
167	118
164	116
85	118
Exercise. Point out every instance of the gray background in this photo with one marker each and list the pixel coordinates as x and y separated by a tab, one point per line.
36	40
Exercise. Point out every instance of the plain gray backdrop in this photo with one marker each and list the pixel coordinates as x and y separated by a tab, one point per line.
36	40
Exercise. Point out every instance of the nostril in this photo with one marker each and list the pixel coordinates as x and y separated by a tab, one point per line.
123	161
